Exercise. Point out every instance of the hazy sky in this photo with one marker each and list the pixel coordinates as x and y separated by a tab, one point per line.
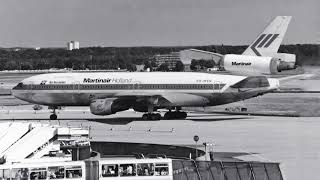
51	23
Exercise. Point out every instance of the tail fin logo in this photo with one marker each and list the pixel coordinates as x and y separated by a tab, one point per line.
264	41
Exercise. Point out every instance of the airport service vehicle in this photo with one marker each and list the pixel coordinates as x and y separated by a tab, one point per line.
108	93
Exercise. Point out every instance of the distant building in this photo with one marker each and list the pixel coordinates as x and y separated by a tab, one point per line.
187	55
76	44
73	45
69	46
169	59
140	67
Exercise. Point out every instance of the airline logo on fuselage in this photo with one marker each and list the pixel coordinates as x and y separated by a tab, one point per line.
43	82
98	80
107	80
241	63
264	41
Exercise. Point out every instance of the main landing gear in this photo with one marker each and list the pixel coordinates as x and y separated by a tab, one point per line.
167	115
175	115
151	116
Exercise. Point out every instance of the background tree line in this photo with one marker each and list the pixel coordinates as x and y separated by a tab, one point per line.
127	57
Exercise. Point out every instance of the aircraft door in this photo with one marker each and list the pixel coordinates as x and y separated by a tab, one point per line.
76	87
30	87
136	85
216	87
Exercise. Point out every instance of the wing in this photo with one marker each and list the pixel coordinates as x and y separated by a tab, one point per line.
189	54
165	99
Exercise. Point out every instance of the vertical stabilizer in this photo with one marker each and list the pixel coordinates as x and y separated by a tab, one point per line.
268	42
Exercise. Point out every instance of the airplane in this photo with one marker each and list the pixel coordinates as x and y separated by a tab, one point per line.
108	93
111	92
265	45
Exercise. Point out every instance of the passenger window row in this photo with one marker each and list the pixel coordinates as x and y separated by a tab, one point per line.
127	86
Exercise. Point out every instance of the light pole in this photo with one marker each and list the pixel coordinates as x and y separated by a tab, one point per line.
196	139
205	148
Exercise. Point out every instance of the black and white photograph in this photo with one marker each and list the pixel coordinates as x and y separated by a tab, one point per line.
159	89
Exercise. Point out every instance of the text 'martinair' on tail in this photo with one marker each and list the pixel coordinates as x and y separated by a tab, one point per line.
268	42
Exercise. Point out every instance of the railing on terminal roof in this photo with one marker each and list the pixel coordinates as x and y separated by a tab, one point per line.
219	170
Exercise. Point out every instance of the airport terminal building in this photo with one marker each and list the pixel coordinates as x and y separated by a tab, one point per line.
41	151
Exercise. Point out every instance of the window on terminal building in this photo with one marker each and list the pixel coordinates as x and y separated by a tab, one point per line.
56	172
145	169
127	169
161	169
73	172
109	170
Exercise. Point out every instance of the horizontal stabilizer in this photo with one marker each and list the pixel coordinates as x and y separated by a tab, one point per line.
189	54
299	76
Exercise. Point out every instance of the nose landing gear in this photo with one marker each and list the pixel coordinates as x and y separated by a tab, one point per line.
150	115
53	116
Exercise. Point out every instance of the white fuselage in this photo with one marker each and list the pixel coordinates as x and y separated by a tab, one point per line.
178	88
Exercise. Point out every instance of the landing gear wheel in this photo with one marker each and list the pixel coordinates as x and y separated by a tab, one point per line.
53	117
151	117
157	116
145	117
175	115
167	115
183	115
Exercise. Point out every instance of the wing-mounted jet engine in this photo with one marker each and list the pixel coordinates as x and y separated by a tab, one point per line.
107	106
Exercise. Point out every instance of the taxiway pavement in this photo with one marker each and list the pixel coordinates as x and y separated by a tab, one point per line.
292	141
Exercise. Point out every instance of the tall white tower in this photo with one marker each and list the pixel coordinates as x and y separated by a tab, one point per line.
76	44
73	45
69	46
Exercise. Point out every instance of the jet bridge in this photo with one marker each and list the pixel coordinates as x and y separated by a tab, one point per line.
20	141
11	133
38	137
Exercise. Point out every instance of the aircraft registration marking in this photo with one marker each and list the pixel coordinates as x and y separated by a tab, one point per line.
203	80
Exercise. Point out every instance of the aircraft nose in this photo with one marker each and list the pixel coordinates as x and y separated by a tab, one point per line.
16	91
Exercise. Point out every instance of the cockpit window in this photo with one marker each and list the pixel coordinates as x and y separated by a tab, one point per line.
20	85
253	82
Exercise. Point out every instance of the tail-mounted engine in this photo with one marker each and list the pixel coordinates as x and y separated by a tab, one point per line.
250	64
